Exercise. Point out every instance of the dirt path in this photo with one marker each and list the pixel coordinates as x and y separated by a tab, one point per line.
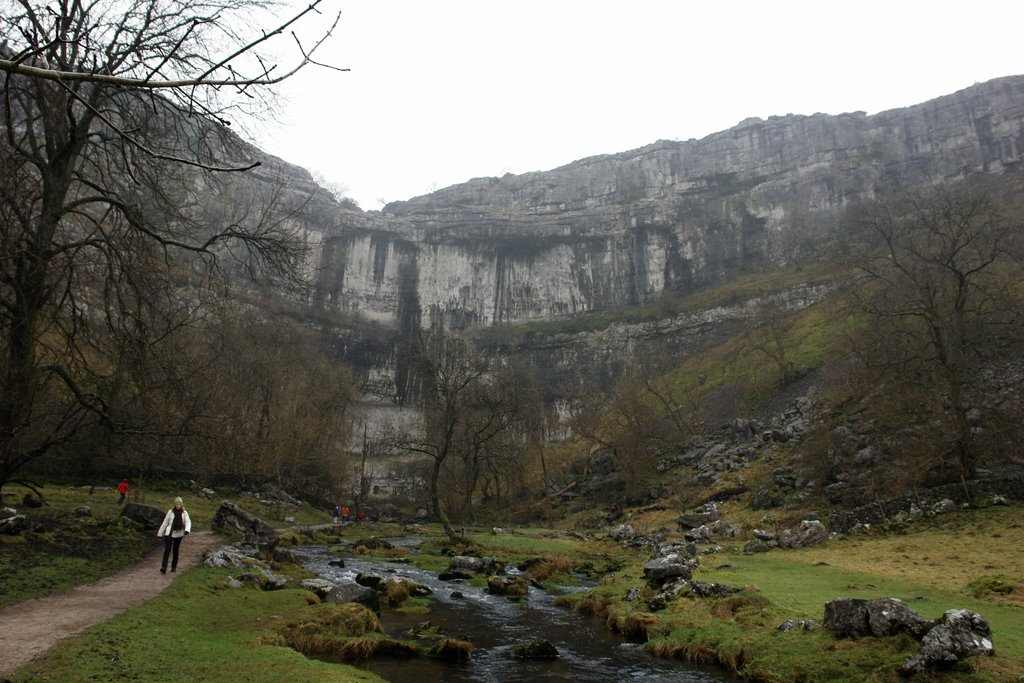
30	628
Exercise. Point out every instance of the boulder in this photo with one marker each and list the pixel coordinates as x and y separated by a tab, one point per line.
31	500
812	532
879	617
369	579
146	515
231	556
455	575
623	532
476	565
959	634
756	545
13	524
321	587
705	515
712	590
255	531
374	543
671	566
536	649
83	511
512	586
350	591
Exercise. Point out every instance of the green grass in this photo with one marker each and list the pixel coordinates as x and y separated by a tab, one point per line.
932	566
67	551
70	551
195	630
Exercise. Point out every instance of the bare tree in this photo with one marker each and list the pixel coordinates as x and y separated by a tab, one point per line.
935	267
113	130
463	413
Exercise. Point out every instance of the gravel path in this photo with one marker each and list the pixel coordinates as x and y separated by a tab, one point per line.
32	627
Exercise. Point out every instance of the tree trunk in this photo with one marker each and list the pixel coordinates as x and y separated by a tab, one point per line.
435	501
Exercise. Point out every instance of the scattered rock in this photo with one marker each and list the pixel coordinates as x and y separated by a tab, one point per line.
802	625
476	565
707	514
712	590
623	532
756	545
13	524
84	511
374	543
536	649
231	556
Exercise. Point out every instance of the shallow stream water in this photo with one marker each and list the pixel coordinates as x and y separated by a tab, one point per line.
588	651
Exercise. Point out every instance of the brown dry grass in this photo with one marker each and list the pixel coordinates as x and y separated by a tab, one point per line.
559	564
634	625
325	630
394	592
947	557
591	604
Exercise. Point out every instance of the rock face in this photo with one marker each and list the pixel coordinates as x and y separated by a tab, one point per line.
612	232
616	230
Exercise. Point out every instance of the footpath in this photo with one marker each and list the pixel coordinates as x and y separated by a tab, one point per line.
30	628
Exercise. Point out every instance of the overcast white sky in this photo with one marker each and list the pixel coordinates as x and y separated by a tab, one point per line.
447	90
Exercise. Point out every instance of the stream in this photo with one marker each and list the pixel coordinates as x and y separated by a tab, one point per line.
588	651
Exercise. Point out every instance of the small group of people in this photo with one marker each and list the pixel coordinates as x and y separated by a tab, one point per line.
343	512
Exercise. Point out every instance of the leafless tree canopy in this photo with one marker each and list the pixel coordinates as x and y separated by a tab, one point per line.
110	198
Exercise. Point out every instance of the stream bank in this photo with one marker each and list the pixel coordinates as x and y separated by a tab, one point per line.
587	650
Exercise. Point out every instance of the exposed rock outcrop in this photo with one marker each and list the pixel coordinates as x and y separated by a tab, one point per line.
253	529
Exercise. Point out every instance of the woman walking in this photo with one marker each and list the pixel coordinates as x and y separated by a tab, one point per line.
175	527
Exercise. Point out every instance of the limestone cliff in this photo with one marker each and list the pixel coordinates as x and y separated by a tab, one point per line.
615	230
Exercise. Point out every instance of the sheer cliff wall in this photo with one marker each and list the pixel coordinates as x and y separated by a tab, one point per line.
616	230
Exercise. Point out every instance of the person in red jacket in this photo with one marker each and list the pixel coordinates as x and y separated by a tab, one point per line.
344	514
122	488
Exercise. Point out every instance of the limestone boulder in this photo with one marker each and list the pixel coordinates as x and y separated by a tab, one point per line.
350	591
878	617
254	531
146	515
511	586
959	634
671	566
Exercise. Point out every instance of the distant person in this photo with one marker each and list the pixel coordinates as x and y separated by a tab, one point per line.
344	514
361	516
337	513
122	488
176	526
